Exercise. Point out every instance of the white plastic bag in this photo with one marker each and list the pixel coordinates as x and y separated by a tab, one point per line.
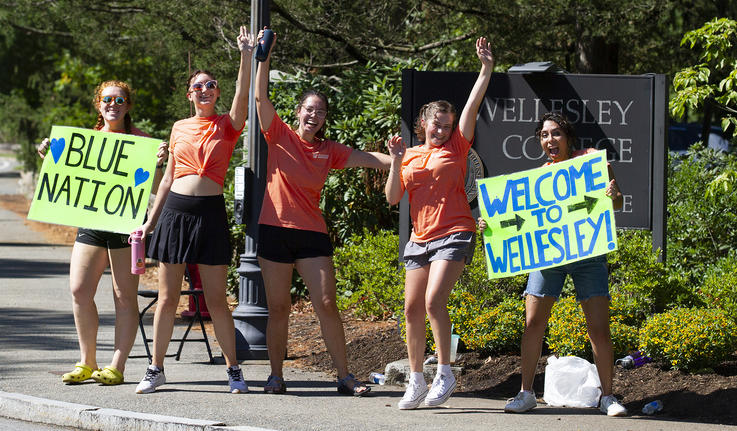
571	381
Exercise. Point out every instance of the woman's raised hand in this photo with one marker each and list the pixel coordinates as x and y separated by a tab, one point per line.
162	154
43	147
396	147
246	41
483	51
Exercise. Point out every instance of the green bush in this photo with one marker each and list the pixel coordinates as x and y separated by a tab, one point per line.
701	229
719	289
489	330
689	338
369	277
646	284
567	333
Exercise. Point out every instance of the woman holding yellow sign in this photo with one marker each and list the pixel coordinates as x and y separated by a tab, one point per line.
190	209
443	232
591	280
94	250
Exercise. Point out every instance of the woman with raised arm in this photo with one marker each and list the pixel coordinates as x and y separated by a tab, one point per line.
590	279
292	232
192	223
94	250
443	233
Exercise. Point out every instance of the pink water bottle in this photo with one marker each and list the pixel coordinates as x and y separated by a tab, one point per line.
138	252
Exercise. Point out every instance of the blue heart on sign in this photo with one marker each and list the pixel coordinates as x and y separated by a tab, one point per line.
140	176
57	147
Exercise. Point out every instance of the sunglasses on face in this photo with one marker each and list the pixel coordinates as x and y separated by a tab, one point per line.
118	100
200	86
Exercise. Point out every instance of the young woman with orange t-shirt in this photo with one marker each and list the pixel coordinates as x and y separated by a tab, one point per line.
94	250
443	233
190	209
292	231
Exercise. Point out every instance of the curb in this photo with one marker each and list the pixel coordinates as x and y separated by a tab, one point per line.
80	416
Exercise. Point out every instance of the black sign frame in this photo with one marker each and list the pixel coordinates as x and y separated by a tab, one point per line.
623	114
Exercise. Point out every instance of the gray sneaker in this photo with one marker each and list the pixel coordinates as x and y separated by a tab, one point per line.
441	389
611	406
153	379
523	402
235	380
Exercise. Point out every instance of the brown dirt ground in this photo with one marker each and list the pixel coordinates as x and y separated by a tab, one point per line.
709	397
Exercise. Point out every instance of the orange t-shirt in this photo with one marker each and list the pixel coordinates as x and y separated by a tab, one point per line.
203	146
435	179
295	175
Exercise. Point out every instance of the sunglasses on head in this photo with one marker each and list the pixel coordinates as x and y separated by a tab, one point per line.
200	86
119	100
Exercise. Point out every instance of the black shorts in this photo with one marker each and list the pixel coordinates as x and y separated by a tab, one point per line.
101	238
286	245
192	229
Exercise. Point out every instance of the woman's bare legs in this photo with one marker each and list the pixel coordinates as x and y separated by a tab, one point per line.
537	313
596	310
214	283
170	289
125	295
85	270
277	283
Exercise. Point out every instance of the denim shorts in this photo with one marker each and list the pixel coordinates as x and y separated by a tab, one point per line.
590	278
458	246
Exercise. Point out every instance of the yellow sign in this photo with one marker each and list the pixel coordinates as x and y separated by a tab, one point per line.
547	217
95	180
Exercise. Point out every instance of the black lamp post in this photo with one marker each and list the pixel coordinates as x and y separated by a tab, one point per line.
252	313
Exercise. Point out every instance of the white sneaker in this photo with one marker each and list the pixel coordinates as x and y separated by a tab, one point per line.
611	406
153	379
413	396
235	380
442	386
523	402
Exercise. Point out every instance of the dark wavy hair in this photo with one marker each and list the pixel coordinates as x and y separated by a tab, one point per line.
563	123
98	97
428	111
309	93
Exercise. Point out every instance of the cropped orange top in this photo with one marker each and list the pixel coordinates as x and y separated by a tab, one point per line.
203	146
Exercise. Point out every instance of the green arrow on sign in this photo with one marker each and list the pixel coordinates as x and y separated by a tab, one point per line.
589	203
516	221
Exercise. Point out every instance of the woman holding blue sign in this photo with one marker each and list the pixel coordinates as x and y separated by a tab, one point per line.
192	223
443	232
591	280
94	250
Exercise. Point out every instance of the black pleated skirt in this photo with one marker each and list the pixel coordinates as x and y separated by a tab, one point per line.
192	229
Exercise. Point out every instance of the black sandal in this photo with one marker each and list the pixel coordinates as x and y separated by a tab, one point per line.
348	385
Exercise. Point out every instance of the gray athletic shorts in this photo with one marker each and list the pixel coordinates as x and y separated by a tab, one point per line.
458	246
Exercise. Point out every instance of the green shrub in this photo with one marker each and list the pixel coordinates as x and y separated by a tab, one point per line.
689	338
700	229
490	330
719	289
567	329
646	284
369	277
567	333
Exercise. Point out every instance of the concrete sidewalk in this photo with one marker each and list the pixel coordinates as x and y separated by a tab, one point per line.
38	343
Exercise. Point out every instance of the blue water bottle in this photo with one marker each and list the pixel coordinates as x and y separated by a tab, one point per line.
264	45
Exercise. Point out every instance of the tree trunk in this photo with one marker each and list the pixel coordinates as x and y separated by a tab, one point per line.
596	55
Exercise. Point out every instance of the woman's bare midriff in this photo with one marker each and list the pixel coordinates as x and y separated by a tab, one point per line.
194	185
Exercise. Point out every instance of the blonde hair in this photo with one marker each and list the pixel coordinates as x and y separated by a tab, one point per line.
98	97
